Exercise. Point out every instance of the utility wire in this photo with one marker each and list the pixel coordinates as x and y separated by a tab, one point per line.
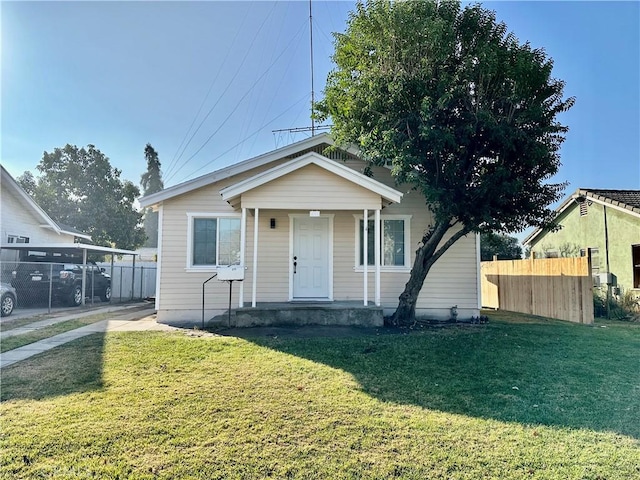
252	107
237	105
280	84
233	42
302	99
221	96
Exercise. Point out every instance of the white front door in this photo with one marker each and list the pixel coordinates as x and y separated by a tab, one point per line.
311	258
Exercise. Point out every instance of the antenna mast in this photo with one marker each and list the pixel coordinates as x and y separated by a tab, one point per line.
313	126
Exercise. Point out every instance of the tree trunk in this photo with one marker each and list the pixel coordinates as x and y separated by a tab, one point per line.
405	313
426	256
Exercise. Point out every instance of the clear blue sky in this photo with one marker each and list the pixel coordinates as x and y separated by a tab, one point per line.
121	74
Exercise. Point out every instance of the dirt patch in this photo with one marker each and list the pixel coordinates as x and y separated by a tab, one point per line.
328	331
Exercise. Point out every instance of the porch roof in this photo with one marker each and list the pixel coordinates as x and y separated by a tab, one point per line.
312	181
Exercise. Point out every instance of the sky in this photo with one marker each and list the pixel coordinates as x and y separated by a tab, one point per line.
207	83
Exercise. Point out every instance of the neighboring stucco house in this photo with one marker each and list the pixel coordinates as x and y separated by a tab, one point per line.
23	221
608	222
292	219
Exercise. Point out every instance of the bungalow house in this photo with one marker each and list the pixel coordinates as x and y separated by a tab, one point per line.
608	222
23	221
291	224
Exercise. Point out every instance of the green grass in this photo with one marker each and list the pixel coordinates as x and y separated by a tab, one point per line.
11	323
16	341
526	399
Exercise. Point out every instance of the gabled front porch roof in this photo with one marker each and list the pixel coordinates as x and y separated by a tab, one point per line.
238	168
348	189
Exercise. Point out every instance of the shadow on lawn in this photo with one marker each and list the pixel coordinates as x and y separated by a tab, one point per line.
556	375
74	367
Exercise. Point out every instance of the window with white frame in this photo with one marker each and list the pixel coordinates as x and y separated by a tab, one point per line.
213	240
394	241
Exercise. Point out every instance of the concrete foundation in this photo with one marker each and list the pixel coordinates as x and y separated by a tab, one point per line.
297	314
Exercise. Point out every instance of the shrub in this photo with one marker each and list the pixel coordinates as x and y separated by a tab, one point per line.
626	307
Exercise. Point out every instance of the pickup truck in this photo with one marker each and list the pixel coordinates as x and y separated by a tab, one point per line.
31	281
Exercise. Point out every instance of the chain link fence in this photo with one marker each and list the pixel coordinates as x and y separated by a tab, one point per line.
45	284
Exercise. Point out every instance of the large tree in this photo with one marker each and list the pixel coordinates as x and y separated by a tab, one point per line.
502	246
466	114
151	182
79	187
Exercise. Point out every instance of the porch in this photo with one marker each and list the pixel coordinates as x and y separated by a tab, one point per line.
341	313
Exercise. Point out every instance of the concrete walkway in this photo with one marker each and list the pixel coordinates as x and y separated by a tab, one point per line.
53	319
124	319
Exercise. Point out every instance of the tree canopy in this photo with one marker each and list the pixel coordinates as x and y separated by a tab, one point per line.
79	188
151	182
466	114
502	246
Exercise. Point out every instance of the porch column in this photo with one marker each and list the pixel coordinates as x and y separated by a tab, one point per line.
243	246
377	256
365	255
255	257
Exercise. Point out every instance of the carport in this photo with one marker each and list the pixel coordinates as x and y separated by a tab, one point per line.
78	250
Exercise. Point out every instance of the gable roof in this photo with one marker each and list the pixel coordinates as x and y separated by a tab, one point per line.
230	171
627	201
234	191
9	183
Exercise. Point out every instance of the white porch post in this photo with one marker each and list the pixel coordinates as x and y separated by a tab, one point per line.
377	256
365	256
255	257
243	247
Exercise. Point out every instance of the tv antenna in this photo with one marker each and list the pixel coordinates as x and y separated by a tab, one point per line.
313	128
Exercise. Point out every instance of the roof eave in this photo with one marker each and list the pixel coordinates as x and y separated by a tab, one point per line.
229	194
226	172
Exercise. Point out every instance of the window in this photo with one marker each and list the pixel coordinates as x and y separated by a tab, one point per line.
595	259
213	240
635	256
394	235
17	239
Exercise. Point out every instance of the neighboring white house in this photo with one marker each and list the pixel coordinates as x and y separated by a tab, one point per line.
23	221
292	219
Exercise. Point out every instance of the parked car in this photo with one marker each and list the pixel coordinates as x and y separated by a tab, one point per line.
8	299
31	281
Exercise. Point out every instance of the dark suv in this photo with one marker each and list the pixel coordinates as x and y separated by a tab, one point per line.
31	281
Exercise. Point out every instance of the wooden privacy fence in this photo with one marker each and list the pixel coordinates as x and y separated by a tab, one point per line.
550	287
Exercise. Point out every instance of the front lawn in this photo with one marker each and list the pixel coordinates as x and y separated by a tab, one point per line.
531	399
17	341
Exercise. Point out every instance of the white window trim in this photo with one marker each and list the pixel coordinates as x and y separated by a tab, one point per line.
190	217
407	242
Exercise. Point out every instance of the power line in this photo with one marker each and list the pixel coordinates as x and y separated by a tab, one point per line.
246	138
236	107
228	85
175	155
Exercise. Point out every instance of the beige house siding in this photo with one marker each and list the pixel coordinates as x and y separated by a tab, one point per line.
307	188
452	281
